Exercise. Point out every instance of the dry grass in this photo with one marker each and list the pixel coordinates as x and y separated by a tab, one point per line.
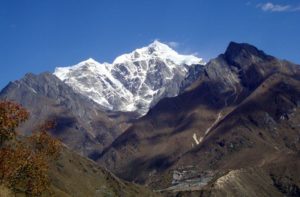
5	192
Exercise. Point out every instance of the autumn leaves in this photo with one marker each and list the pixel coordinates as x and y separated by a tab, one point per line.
24	161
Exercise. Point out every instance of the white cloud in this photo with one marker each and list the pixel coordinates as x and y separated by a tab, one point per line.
173	44
271	7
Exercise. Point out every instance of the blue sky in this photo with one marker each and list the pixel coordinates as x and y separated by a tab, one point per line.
38	35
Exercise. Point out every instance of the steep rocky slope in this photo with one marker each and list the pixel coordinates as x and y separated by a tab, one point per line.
80	122
241	113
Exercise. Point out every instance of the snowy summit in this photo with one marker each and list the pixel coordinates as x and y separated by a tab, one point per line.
158	50
133	82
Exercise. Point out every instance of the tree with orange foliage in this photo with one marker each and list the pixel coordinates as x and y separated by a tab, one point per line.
23	171
24	163
43	143
11	116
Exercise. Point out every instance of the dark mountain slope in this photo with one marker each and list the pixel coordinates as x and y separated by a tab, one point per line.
224	121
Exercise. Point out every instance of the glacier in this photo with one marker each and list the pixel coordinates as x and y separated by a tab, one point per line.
135	81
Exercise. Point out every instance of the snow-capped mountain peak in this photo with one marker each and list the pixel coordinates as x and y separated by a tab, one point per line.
134	81
161	50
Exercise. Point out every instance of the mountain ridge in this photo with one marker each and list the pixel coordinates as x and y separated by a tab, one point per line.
80	122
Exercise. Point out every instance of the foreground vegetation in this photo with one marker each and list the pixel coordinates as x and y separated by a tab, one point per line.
24	161
38	165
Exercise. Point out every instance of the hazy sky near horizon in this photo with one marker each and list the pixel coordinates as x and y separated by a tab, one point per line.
39	35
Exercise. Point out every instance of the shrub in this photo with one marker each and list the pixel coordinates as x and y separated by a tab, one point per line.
24	163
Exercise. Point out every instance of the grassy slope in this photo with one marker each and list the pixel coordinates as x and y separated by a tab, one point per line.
5	192
73	175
